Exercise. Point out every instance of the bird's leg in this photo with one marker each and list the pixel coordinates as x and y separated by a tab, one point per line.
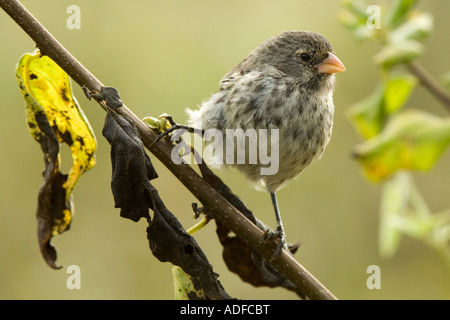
279	233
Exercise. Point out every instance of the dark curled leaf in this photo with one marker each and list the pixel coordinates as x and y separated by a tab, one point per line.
134	195
52	202
238	257
170	242
108	94
131	166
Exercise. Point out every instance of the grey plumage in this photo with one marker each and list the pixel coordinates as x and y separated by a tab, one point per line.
282	84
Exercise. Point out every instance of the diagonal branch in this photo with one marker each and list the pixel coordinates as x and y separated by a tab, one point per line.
430	83
225	213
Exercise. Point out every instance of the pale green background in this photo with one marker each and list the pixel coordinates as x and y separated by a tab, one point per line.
164	56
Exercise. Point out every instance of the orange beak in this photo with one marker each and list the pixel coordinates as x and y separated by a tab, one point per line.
331	65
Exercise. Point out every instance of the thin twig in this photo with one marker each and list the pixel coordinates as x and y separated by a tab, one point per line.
430	83
225	212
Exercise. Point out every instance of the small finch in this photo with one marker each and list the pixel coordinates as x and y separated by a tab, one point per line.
286	84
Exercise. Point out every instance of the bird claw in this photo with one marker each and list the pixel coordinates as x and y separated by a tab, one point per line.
276	237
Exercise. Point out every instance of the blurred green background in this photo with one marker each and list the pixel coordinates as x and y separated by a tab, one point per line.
165	56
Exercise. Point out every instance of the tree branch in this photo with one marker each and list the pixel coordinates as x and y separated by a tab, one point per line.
207	195
430	83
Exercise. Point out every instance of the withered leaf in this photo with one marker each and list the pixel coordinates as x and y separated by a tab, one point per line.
131	167
184	287
52	204
238	257
134	195
54	117
170	242
108	94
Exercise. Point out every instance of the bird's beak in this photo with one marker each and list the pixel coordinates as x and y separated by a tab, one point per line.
331	65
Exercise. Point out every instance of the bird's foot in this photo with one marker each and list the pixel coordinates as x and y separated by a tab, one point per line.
277	238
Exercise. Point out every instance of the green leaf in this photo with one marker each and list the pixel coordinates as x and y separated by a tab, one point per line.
398	52
161	123
370	115
399	12
361	33
357	7
417	27
404	211
416	227
441	232
399	87
355	19
394	204
412	140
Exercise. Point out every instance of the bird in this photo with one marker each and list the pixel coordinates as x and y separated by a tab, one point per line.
285	85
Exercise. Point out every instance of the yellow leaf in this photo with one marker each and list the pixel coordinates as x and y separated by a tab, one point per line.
47	87
54	117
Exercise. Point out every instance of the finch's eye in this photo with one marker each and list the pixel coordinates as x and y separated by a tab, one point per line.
305	56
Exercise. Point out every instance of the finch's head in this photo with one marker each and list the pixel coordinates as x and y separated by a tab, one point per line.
305	56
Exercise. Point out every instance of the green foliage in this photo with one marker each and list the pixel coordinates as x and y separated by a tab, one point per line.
397	141
397	53
402	43
399	12
412	140
370	115
418	26
404	211
355	19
